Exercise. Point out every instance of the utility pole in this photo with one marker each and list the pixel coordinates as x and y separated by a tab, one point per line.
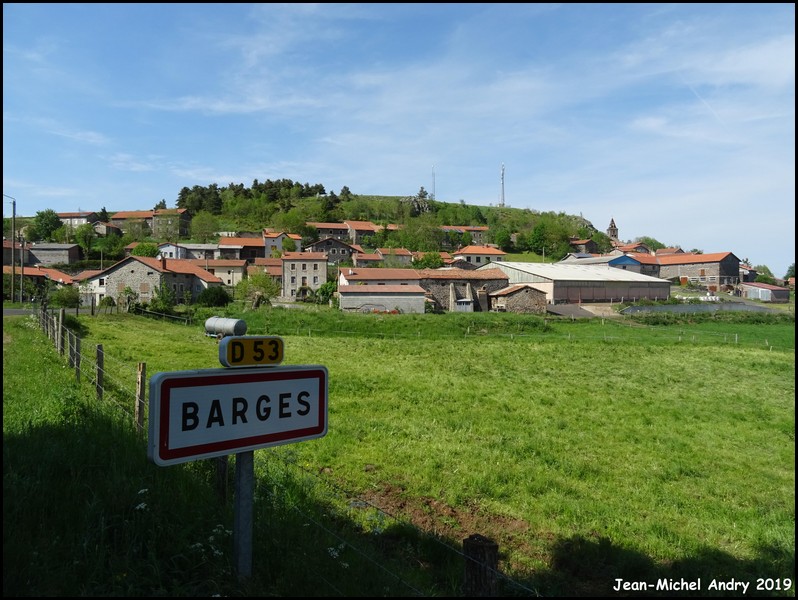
13	239
501	198
21	266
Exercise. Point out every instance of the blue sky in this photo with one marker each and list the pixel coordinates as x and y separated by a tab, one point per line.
676	120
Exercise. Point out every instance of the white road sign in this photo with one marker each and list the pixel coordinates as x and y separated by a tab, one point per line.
216	412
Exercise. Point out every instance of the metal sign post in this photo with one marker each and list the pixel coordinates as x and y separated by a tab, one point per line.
216	412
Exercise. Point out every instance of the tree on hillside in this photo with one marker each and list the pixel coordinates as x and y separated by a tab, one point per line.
289	245
160	205
603	242
429	260
503	240
44	225
145	249
330	211
204	227
103	215
764	275
790	271
345	194
111	248
85	236
137	229
650	242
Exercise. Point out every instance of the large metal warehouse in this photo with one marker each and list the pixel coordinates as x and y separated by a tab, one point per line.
569	283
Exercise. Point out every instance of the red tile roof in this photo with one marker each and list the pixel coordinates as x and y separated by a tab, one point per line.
689	259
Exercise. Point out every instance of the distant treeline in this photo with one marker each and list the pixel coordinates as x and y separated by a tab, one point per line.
288	205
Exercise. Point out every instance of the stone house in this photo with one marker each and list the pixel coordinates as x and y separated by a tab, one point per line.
246	248
395	256
338	231
273	267
367	259
303	272
194	251
381	298
45	253
717	271
585	246
461	290
337	251
519	298
144	276
73	220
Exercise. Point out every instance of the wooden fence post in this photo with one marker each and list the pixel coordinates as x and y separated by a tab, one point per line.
60	332
481	563
68	350
141	378
77	358
100	371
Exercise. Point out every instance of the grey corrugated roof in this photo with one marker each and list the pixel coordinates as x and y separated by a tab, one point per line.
572	272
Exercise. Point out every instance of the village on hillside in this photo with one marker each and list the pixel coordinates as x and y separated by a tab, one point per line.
476	277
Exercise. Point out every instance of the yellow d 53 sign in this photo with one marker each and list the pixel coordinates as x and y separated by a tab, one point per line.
250	351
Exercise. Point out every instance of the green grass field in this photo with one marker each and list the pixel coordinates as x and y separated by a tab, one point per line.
589	451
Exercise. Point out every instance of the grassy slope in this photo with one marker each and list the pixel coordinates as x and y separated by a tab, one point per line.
645	454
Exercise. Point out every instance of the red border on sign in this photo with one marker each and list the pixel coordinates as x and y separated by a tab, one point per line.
166	387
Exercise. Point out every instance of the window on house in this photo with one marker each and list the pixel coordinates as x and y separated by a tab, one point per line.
479	259
315	266
293	267
304	267
101	281
315	280
293	279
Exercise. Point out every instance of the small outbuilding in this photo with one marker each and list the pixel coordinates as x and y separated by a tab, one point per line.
381	298
764	292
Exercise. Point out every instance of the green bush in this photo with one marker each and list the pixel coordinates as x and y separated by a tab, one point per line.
214	296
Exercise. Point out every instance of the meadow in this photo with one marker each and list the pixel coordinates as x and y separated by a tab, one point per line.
590	451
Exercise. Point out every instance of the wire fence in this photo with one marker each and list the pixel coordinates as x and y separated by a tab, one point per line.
124	386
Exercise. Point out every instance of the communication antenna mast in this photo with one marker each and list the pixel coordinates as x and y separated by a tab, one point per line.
501	199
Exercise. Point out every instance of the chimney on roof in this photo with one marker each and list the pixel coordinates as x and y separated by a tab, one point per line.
163	262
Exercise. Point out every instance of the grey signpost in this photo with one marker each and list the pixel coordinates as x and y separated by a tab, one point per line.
250	404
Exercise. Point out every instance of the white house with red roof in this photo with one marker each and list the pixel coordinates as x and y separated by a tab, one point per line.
230	270
376	276
274	241
247	248
479	255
